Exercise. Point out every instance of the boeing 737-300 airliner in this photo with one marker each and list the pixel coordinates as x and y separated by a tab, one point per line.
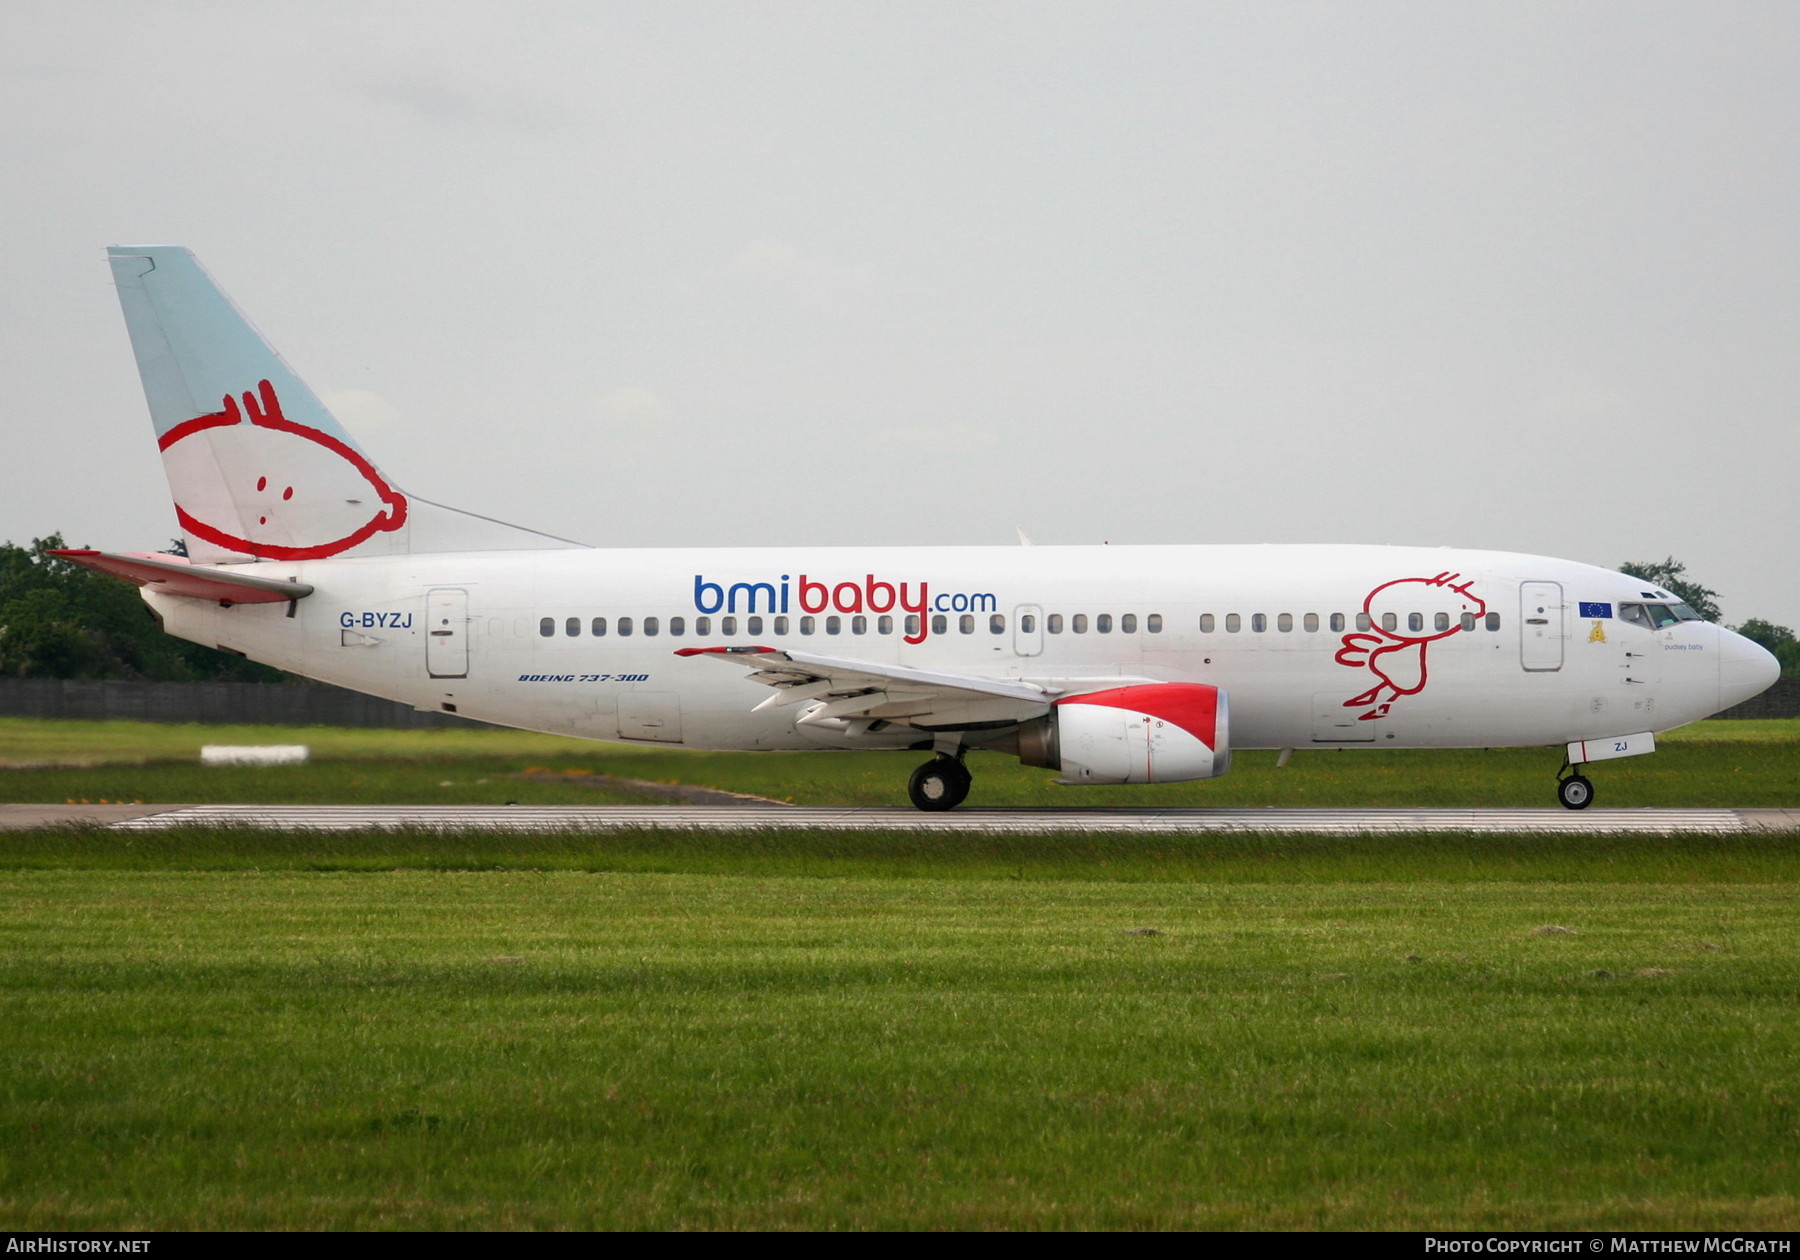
1106	664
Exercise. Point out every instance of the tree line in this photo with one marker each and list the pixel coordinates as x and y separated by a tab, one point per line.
59	620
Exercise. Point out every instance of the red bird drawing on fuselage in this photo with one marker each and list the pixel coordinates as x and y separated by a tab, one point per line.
1393	648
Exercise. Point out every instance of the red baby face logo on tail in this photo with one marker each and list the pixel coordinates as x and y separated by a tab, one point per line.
250	480
1421	611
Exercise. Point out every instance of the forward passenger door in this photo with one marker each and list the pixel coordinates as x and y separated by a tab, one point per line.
1541	626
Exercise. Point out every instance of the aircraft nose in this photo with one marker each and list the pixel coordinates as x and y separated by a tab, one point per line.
1746	669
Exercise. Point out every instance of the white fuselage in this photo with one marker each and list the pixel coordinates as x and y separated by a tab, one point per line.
510	637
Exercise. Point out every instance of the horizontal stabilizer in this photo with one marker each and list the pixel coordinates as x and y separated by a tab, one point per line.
168	576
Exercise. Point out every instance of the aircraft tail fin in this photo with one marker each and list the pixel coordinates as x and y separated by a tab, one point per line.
258	466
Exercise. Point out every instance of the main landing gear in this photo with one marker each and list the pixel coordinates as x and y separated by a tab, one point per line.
1573	789
941	783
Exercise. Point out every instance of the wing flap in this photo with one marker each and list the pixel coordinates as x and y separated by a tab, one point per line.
869	689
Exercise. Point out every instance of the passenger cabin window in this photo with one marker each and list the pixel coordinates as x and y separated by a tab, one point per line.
1468	621
728	626
1337	621
781	625
547	627
1206	623
1259	622
599	627
624	624
1103	624
1053	623
1027	623
997	624
1441	621
966	623
677	625
703	626
1153	623
940	624
1078	623
1493	621
1128	623
753	625
859	624
884	625
1285	623
806	625
651	625
1415	622
1363	622
1233	623
572	627
1390	621
912	625
1311	623
834	625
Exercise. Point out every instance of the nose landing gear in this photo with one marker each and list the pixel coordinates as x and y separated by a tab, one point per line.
941	783
1574	790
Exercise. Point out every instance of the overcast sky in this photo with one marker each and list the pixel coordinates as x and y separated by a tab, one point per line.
1510	275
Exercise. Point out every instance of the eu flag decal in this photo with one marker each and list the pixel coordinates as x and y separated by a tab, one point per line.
1596	610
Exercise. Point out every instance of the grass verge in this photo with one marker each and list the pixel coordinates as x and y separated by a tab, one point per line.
1624	859
1710	766
225	1029
564	1049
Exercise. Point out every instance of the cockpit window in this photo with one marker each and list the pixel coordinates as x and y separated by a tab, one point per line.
1656	616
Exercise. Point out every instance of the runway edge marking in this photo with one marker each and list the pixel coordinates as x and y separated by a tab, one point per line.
601	818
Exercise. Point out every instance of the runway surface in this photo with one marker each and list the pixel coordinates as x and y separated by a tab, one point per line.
601	818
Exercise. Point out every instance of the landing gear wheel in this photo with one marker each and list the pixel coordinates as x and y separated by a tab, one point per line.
1575	792
941	783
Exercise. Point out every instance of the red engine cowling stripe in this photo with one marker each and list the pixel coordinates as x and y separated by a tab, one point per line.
1194	707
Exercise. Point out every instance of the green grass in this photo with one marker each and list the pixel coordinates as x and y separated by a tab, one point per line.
1750	730
34	741
423	1049
1216	858
41	740
1728	764
469	781
223	1028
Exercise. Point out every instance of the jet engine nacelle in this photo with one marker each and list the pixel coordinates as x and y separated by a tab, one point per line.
1152	733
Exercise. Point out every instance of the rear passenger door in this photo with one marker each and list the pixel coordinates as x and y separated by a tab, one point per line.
447	632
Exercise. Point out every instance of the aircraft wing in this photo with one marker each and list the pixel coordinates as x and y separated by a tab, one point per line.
850	690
